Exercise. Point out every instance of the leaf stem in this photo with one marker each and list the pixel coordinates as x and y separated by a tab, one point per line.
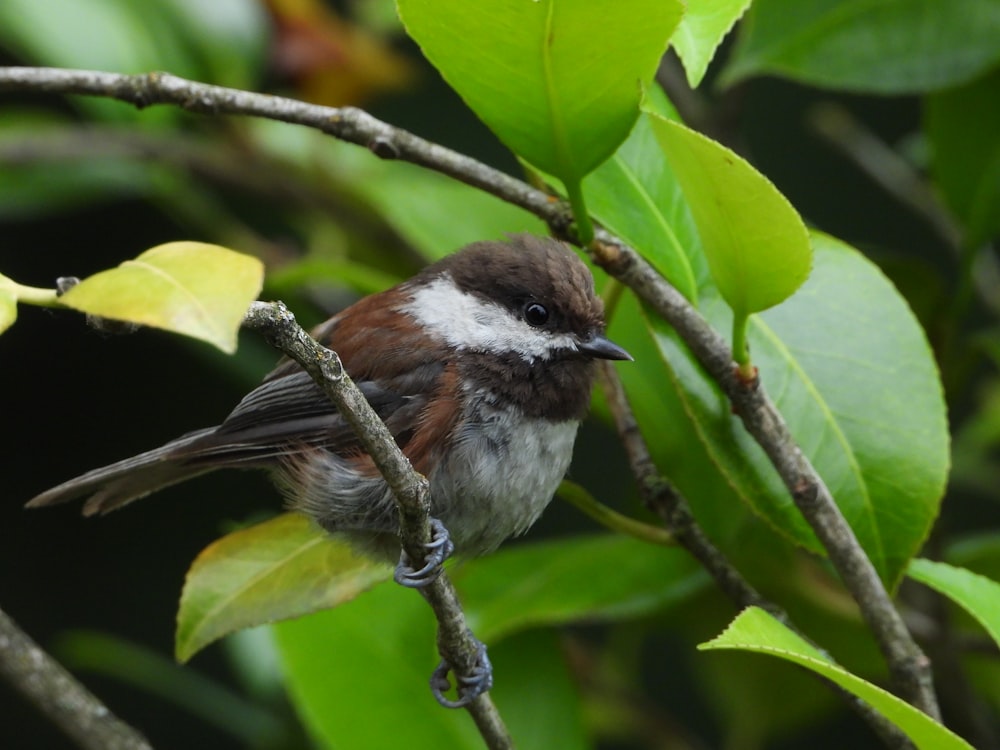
577	496
611	295
31	295
584	227
741	349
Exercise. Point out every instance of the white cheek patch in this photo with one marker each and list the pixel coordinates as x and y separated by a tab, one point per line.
466	321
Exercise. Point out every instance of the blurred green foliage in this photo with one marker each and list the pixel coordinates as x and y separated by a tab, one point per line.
593	638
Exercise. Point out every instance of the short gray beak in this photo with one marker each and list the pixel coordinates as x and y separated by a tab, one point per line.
599	347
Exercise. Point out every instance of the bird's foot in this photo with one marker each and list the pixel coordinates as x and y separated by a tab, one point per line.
468	687
439	549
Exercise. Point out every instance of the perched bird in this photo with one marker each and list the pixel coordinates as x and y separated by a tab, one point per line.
481	366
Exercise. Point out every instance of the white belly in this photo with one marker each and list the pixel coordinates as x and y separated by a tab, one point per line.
500	477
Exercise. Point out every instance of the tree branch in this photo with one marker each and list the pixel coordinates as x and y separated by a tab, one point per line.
456	644
663	499
58	695
908	666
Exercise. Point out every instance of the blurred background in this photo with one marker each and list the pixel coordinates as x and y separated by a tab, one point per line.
87	183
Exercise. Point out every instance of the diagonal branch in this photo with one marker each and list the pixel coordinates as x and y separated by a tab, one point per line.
57	694
663	499
457	645
908	666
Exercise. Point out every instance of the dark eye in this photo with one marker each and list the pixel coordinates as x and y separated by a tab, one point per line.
536	314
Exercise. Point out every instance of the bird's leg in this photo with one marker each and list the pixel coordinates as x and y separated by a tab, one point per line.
439	549
478	679
470	686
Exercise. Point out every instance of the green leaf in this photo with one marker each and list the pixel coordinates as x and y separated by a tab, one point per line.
978	552
851	371
757	631
112	35
963	128
874	46
221	42
227	38
756	244
199	290
701	31
976	594
537	694
669	427
349	668
562	87
793	702
636	195
532	585
360	277
279	569
563	84
32	186
141	668
436	213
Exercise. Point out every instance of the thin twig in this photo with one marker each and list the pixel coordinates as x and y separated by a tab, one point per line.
890	170
908	666
229	163
456	643
662	498
57	694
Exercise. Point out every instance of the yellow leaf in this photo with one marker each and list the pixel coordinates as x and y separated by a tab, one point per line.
196	289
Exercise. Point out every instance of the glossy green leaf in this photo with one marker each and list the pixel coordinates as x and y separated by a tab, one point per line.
757	631
875	46
199	290
532	585
976	594
636	195
701	31
436	213
756	244
669	427
963	128
793	701
563	84
279	569
348	668
851	371
537	694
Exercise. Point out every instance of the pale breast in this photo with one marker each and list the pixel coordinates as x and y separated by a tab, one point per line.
502	472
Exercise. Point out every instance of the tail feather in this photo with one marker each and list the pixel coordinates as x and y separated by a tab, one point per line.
118	484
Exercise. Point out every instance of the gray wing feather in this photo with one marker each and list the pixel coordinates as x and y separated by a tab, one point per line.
113	486
281	416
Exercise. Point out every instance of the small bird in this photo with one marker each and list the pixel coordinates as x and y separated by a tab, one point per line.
481	366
